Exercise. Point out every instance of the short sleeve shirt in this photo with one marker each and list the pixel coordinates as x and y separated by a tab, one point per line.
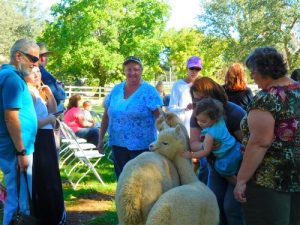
14	94
131	121
220	133
71	118
233	116
280	168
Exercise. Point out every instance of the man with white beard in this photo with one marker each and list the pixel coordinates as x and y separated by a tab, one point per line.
18	125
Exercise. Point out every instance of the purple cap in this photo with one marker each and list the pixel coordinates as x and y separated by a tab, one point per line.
194	61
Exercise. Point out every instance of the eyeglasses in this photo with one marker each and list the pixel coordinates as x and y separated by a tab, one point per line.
31	58
194	69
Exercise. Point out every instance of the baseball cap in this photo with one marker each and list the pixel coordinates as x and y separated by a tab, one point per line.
43	49
133	59
194	61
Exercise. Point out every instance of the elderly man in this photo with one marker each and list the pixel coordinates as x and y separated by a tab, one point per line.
18	124
48	79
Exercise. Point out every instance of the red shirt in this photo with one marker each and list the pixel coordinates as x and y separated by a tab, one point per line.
71	118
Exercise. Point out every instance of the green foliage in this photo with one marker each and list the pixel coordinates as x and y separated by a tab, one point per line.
91	38
182	44
250	24
19	19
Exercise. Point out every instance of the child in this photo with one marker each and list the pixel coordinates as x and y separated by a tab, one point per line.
209	115
87	107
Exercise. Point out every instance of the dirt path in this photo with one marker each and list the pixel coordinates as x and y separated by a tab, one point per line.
87	208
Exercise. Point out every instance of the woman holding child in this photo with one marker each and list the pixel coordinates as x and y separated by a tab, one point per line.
230	210
47	193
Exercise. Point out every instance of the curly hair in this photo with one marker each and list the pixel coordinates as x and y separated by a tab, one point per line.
268	62
235	78
210	107
74	101
209	88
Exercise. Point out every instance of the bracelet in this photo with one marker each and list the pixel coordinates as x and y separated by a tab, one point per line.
21	153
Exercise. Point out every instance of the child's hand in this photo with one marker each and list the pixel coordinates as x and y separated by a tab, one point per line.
186	154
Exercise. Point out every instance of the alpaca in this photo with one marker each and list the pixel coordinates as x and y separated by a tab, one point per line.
169	119
141	183
193	203
145	178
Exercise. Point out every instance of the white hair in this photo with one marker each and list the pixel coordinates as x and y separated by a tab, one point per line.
23	45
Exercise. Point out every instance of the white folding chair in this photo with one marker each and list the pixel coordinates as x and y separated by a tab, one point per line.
68	144
82	158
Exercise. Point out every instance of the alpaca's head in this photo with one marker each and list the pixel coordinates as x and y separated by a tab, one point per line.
167	120
170	142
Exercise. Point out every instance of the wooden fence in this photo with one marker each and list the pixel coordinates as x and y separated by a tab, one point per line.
97	94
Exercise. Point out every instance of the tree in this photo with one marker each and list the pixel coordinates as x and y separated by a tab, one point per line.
250	24
18	21
182	44
91	38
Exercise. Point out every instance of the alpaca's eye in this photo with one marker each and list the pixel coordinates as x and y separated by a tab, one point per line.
165	143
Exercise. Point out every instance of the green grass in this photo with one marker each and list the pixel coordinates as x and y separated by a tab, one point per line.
90	186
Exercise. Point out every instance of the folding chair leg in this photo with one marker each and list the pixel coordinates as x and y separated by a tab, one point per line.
73	168
90	168
65	160
96	173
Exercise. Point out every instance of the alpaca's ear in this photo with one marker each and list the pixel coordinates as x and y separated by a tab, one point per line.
161	112
178	130
164	125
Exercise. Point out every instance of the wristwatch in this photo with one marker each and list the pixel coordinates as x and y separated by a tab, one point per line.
22	152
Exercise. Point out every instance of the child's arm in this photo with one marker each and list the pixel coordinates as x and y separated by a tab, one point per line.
207	145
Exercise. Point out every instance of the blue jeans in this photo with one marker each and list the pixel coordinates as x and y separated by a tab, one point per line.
8	165
231	212
90	134
203	170
121	156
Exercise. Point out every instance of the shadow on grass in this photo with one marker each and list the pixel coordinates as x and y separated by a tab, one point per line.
93	208
107	218
92	203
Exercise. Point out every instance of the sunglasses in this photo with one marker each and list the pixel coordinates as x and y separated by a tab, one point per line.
194	69
31	58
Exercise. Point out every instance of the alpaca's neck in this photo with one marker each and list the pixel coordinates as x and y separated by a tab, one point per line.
185	170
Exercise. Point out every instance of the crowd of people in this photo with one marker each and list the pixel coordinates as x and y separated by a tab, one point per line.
28	153
247	147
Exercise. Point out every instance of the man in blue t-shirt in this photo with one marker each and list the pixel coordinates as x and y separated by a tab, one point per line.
18	125
48	79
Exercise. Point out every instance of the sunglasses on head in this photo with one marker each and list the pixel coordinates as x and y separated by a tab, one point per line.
31	58
194	68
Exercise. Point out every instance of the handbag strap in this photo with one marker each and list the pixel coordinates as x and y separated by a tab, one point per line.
27	189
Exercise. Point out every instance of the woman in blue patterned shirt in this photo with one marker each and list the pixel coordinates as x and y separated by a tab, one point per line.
129	117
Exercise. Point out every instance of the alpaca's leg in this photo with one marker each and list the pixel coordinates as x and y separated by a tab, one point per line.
128	204
160	215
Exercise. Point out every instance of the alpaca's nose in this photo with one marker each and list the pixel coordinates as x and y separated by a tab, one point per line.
151	146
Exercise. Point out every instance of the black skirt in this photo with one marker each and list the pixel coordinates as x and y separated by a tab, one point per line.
47	193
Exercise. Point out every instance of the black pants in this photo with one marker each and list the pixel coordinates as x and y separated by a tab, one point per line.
269	207
122	155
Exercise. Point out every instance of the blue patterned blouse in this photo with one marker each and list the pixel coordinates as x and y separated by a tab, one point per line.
131	122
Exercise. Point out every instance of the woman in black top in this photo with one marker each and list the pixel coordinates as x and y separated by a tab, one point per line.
235	86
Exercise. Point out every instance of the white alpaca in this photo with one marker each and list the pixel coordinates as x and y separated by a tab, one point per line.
145	178
141	183
193	203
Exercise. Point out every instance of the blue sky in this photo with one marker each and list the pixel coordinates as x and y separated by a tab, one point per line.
183	13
